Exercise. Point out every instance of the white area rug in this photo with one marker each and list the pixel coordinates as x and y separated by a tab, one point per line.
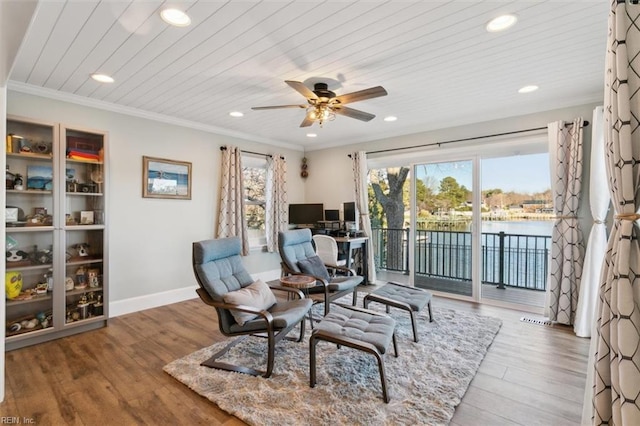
426	382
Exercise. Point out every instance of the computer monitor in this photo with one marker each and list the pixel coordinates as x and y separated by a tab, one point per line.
333	215
305	214
349	212
351	222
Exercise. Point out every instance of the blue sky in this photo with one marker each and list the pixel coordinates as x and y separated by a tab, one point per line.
523	173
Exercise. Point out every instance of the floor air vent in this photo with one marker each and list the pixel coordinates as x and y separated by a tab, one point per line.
536	321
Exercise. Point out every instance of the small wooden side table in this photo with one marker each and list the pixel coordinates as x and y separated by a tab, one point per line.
301	282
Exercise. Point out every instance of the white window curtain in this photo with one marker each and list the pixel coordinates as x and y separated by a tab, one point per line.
617	359
567	252
599	201
231	221
277	215
359	163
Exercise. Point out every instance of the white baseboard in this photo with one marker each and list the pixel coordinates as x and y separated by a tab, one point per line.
140	303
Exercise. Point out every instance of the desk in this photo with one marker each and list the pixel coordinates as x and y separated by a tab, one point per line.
349	244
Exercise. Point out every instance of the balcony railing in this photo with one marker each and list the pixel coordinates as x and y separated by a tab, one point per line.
507	259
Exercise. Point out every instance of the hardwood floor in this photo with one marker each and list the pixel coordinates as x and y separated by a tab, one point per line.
532	374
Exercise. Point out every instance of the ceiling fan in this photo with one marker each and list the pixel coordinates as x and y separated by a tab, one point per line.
323	104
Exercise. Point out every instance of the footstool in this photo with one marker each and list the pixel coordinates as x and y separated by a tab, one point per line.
400	296
357	328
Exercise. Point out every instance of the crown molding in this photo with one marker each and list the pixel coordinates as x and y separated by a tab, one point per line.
135	112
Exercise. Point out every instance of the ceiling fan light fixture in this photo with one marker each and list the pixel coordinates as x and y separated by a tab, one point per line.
528	89
323	104
102	78
175	17
236	114
501	23
321	113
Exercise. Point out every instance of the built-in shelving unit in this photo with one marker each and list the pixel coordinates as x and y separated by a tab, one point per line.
57	252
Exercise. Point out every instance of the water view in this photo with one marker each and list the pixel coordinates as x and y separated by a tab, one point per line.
521	227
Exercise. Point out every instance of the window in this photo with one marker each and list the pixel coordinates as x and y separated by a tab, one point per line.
255	177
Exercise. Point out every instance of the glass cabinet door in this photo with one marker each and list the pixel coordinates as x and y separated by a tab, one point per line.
30	217
84	225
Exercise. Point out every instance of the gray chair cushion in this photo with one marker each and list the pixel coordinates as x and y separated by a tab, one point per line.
314	266
374	329
414	297
284	314
219	266
339	284
295	245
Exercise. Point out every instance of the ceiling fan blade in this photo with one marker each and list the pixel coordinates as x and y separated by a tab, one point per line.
307	121
361	95
353	113
279	106
302	89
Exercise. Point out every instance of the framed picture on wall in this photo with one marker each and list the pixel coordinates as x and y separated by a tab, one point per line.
162	178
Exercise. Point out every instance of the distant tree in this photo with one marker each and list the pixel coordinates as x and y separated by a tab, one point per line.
493	198
254	187
452	195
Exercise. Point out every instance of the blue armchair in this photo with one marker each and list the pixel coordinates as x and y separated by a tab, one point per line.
244	307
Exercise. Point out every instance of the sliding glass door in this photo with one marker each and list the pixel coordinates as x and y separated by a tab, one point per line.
443	215
476	227
517	220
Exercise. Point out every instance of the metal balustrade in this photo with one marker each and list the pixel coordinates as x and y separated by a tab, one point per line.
507	259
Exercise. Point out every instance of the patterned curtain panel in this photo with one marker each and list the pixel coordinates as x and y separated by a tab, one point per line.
617	359
277	217
567	252
231	221
599	201
359	163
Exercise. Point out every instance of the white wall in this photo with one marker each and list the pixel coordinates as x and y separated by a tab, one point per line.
150	239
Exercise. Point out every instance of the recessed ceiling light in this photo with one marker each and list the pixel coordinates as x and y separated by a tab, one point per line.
501	23
528	89
311	135
102	78
391	118
175	17
236	114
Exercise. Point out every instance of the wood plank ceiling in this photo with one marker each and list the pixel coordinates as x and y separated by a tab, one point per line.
439	65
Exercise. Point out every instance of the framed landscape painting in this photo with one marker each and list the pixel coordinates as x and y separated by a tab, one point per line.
162	178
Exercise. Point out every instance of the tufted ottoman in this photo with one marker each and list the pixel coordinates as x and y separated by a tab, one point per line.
356	328
400	296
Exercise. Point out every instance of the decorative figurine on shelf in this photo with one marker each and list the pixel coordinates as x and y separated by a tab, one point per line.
18	183
70	220
49	277
17	255
13	284
69	284
83	307
82	249
43	256
97	307
93	276
81	278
